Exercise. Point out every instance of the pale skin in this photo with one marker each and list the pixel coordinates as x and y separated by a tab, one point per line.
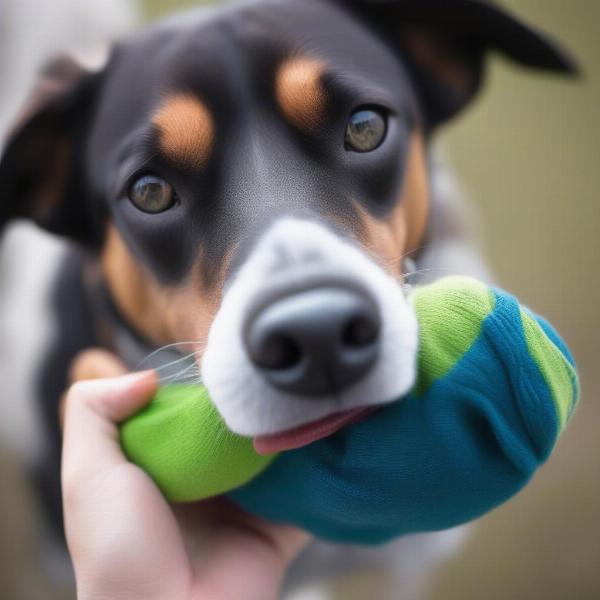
125	540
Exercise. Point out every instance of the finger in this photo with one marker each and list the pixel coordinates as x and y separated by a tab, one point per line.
257	551
93	410
120	531
286	540
93	363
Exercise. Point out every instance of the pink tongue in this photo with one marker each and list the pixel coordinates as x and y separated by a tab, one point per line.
306	434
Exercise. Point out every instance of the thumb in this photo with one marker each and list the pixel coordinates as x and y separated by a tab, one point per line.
93	363
93	410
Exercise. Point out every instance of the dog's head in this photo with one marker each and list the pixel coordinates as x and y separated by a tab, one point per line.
251	178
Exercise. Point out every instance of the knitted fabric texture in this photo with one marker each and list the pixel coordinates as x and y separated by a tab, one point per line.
183	443
495	388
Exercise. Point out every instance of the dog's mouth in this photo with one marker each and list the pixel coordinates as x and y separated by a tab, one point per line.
310	432
310	332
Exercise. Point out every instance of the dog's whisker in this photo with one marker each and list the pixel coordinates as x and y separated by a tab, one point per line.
417	249
180	375
427	270
188	385
395	260
160	368
398	259
190	367
162	349
416	272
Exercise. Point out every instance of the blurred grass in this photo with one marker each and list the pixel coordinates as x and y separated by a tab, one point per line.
527	152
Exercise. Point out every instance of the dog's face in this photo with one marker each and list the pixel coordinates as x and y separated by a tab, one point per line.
251	179
270	150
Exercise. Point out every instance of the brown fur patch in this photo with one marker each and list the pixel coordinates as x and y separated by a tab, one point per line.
164	315
401	233
300	93
186	130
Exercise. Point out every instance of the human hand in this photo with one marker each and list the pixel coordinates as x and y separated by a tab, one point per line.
125	540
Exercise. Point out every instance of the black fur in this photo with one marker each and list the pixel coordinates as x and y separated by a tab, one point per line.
261	166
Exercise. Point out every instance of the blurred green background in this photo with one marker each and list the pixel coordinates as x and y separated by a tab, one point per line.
528	154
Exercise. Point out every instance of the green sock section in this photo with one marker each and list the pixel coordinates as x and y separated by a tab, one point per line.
450	313
182	442
559	374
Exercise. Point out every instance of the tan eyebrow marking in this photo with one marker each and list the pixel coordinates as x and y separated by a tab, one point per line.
300	93
186	130
402	231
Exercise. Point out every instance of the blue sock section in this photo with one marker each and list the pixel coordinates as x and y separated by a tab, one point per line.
424	463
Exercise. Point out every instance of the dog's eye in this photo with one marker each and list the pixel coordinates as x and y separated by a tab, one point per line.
366	130
152	194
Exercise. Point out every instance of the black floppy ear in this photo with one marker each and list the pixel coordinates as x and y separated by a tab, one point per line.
445	43
41	166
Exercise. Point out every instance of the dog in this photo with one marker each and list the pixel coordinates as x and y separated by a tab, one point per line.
256	180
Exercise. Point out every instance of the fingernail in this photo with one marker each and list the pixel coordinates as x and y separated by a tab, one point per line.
130	386
125	383
133	378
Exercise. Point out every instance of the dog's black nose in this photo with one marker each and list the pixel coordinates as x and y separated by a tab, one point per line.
315	342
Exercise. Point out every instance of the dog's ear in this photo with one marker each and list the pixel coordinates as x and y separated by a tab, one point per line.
41	166
445	43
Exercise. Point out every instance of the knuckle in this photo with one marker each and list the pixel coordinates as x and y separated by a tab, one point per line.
77	390
81	392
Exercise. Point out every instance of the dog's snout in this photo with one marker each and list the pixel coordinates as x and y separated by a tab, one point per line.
315	342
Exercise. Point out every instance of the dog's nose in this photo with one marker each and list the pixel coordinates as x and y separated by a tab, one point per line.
315	342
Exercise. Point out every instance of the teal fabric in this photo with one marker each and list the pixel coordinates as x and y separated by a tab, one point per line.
430	461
